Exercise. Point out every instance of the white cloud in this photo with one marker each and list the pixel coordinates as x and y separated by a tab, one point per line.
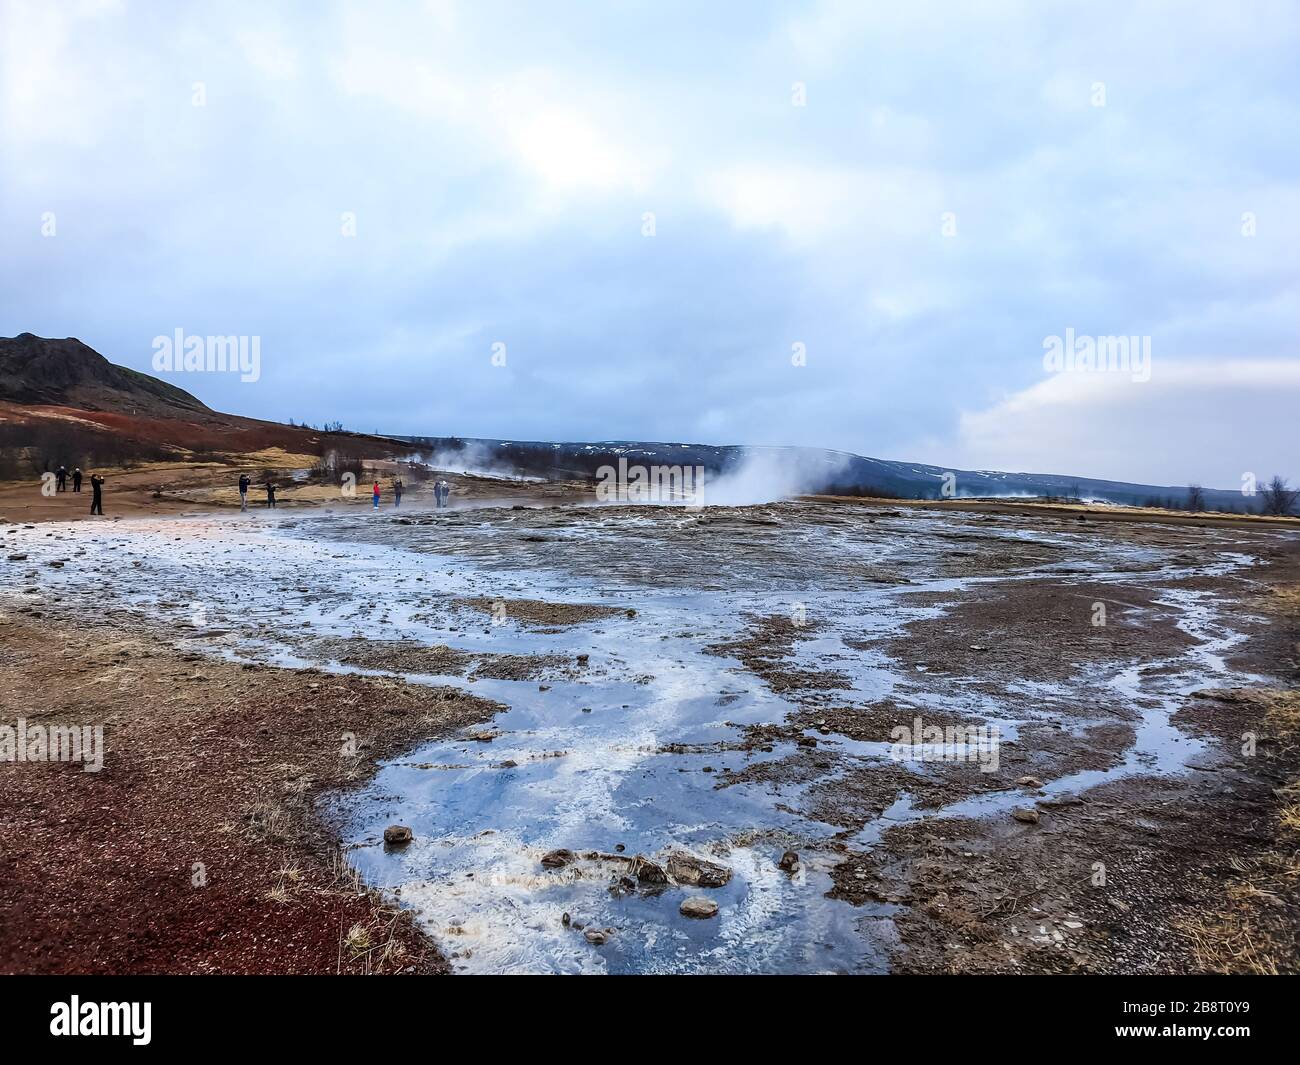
1204	420
268	53
810	202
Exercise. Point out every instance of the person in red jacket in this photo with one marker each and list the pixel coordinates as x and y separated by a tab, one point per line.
376	495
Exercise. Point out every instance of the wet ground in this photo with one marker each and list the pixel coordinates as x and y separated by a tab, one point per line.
723	684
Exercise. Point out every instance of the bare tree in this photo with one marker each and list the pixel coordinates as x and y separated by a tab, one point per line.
1278	498
1195	498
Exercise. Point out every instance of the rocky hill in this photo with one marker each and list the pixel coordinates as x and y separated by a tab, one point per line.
67	373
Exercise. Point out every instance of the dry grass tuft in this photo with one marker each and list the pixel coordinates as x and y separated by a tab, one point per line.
1255	930
1282	716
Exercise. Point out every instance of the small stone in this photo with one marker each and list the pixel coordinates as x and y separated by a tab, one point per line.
622	887
789	861
1029	782
583	659
699	907
397	836
558	859
1028	816
596	936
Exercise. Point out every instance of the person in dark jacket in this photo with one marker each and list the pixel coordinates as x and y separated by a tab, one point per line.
76	479
97	500
61	474
397	492
244	482
270	494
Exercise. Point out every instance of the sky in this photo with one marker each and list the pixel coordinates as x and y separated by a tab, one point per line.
833	224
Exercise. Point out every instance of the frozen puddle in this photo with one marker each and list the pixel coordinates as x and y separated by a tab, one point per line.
611	759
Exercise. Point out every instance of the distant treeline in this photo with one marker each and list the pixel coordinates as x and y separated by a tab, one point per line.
30	450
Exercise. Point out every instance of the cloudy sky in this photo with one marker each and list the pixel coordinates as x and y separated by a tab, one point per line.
655	207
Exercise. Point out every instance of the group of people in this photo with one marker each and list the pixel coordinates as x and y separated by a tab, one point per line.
96	486
61	478
441	490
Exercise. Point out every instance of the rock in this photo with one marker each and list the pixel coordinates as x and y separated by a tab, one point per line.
21	558
688	869
597	936
397	836
789	861
1029	782
622	887
558	859
699	907
509	763
583	659
648	872
1028	816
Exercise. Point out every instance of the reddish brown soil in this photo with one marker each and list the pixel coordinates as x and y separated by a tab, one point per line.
210	763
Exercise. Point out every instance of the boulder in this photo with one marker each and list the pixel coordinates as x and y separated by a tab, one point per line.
699	907
688	869
1028	816
398	836
648	872
789	861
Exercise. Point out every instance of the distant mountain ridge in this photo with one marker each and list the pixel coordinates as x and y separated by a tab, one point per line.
819	471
